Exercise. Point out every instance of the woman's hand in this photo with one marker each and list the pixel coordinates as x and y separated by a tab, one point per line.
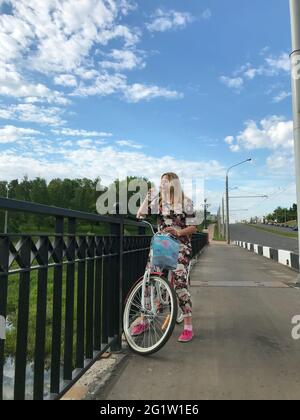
173	232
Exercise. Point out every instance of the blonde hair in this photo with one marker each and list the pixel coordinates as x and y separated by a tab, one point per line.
176	191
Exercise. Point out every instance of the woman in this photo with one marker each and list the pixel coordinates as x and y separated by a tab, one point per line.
175	216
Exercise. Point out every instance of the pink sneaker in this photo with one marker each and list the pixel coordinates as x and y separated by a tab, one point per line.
139	329
186	336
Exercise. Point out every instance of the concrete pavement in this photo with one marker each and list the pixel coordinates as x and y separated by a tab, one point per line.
243	348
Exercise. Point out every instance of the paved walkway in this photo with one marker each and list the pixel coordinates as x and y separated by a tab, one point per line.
243	349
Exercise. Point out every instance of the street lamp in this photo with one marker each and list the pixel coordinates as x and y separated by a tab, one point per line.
295	58
223	211
227	197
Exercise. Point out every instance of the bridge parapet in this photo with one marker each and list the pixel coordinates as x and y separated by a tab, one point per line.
62	295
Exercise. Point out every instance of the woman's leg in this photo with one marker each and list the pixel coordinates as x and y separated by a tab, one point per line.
182	286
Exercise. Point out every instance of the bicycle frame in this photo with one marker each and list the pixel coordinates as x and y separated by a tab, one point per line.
149	273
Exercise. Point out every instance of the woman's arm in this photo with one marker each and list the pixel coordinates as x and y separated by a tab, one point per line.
144	209
188	231
183	232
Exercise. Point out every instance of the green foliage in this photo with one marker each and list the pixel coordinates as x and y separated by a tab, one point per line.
283	215
75	194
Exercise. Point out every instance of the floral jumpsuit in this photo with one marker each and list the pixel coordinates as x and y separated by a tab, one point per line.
180	221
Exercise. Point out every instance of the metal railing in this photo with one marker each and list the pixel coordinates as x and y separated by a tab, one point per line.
63	295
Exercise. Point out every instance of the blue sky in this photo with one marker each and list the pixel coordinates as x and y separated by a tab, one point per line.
104	87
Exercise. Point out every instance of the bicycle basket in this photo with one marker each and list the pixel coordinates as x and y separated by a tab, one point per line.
165	251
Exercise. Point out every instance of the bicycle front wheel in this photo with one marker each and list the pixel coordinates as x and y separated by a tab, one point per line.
150	315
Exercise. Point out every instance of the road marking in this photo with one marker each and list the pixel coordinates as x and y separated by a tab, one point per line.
266	284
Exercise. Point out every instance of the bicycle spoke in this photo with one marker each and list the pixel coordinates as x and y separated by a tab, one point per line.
156	313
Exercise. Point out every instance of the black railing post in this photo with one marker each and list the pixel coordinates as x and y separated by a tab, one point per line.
98	293
57	307
70	292
118	230
4	258
41	319
90	295
81	291
23	318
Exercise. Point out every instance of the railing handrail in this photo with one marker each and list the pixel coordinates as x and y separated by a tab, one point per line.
35	208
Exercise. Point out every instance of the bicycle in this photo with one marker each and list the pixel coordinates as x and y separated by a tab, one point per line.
152	307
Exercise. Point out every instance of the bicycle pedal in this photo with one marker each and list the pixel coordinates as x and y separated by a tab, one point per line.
166	323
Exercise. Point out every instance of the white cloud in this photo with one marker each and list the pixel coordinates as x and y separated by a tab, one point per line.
32	113
123	60
272	133
11	134
13	84
67	80
129	143
86	143
106	162
81	133
272	66
281	96
167	20
64	32
138	92
232	82
106	84
279	63
61	39
280	161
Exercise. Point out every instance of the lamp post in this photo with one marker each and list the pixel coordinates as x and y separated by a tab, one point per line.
223	218
223	211
295	60
227	198
205	212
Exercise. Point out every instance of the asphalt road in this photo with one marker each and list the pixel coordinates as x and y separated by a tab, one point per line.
243	347
277	228
242	232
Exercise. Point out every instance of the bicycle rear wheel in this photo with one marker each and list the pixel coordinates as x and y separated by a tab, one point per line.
156	312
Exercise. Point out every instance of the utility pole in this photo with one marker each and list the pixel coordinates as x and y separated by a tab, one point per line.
227	198
295	62
227	209
223	218
206	206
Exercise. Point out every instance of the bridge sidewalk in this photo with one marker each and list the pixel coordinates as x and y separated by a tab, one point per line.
243	348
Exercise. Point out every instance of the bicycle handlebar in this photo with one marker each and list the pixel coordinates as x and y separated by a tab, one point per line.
149	224
153	231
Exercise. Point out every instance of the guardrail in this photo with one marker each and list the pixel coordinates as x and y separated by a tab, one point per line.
62	294
287	258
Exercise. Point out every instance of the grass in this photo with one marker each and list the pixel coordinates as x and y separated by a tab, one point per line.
217	234
276	231
291	223
12	312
